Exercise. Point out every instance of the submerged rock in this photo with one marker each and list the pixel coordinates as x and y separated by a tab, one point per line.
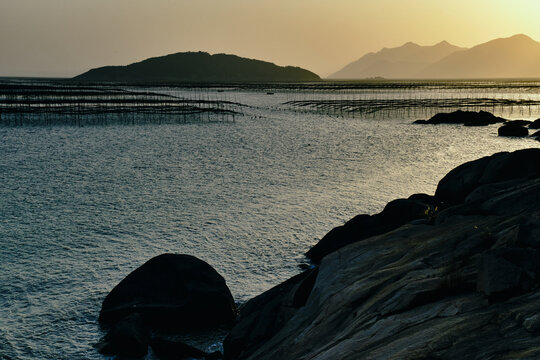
172	291
464	286
513	130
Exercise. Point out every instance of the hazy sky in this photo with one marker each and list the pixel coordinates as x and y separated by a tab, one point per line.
67	37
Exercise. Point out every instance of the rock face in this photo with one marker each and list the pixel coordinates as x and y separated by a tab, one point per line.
395	214
467	118
267	313
465	285
171	291
501	167
513	130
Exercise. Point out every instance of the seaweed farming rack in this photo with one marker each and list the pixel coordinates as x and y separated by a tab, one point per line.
66	104
390	99
346	107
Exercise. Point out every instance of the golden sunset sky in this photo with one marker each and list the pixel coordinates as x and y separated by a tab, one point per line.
67	37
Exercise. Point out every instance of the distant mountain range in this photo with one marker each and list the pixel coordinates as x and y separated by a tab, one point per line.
514	57
195	67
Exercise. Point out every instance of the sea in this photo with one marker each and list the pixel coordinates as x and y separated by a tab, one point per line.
81	206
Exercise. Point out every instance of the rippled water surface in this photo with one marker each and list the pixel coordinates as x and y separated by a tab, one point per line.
81	207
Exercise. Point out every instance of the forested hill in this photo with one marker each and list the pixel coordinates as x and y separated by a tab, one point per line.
194	67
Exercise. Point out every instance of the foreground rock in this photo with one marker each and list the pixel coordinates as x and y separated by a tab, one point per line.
265	314
172	291
466	285
467	118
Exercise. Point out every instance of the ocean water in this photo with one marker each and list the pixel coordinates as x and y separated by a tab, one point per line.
81	207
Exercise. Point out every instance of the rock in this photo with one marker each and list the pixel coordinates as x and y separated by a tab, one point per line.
396	213
464	288
172	291
129	337
513	130
461	181
535	124
532	323
518	122
263	316
467	118
536	134
176	350
497	275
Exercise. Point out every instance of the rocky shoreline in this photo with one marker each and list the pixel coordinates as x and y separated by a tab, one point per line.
510	128
455	275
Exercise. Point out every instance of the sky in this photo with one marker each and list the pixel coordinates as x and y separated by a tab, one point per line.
62	38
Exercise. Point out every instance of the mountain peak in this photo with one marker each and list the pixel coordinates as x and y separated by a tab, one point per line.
410	44
443	43
520	37
516	56
399	62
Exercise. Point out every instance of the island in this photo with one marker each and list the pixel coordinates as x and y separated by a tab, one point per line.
198	67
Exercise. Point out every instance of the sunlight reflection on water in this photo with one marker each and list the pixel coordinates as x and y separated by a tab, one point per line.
83	206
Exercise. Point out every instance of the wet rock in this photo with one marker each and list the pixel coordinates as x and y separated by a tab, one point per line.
513	130
172	291
467	118
129	337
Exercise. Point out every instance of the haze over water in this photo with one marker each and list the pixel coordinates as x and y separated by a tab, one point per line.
83	206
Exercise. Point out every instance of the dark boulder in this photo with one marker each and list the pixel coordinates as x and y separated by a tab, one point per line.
395	214
535	124
513	130
461	181
172	291
467	118
167	349
536	134
129	337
